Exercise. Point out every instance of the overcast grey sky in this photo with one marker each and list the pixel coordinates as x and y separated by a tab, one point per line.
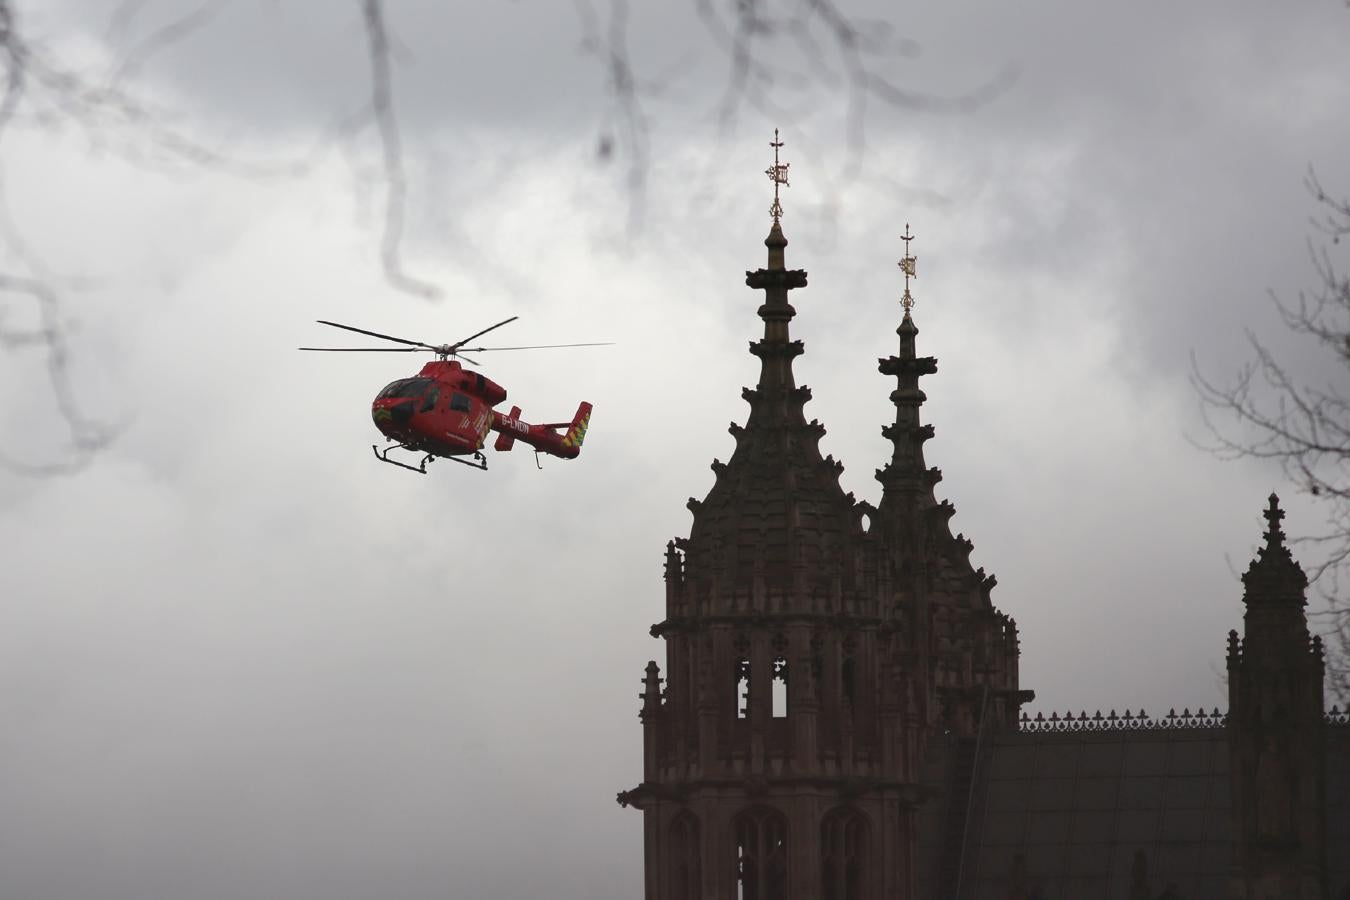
240	659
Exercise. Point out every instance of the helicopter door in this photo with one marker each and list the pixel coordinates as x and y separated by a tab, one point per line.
460	403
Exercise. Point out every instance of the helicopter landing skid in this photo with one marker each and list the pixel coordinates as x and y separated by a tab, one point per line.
384	457
480	461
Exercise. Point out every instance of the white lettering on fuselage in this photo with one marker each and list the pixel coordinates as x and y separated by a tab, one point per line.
515	425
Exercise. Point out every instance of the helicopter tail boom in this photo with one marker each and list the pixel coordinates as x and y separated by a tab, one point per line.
545	437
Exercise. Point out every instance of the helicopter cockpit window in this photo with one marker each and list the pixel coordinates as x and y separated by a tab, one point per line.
459	402
405	387
429	402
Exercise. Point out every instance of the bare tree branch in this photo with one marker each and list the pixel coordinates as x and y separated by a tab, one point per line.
40	91
163	37
625	125
391	146
838	52
1305	428
86	437
844	52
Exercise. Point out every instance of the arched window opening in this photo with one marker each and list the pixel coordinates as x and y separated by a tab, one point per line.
818	663
761	855
684	857
847	680
843	856
780	688
742	688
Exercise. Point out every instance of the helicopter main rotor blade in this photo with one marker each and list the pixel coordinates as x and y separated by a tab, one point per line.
387	337
367	349
457	344
540	346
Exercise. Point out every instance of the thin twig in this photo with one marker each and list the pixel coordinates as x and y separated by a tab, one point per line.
391	147
1304	428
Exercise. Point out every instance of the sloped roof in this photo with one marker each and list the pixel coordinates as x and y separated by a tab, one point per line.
1065	815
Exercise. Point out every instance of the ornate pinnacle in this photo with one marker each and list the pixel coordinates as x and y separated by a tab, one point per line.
1273	514
907	266
778	174
651	691
1274	576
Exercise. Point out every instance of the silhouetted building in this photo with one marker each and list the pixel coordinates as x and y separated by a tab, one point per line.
840	713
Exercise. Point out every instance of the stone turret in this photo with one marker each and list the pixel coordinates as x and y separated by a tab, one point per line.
1277	742
808	660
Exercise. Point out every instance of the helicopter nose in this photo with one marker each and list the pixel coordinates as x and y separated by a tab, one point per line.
391	415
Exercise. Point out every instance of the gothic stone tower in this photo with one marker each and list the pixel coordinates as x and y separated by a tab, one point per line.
815	646
1277	742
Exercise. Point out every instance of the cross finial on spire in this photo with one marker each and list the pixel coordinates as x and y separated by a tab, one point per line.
778	174
907	266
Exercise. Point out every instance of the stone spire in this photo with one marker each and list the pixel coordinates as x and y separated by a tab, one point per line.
1274	587
1274	578
906	481
969	648
776	520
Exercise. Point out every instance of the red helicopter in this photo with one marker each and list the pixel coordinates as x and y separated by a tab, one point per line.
446	411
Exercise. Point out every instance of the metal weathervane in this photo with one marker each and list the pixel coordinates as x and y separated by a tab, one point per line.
778	174
907	266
